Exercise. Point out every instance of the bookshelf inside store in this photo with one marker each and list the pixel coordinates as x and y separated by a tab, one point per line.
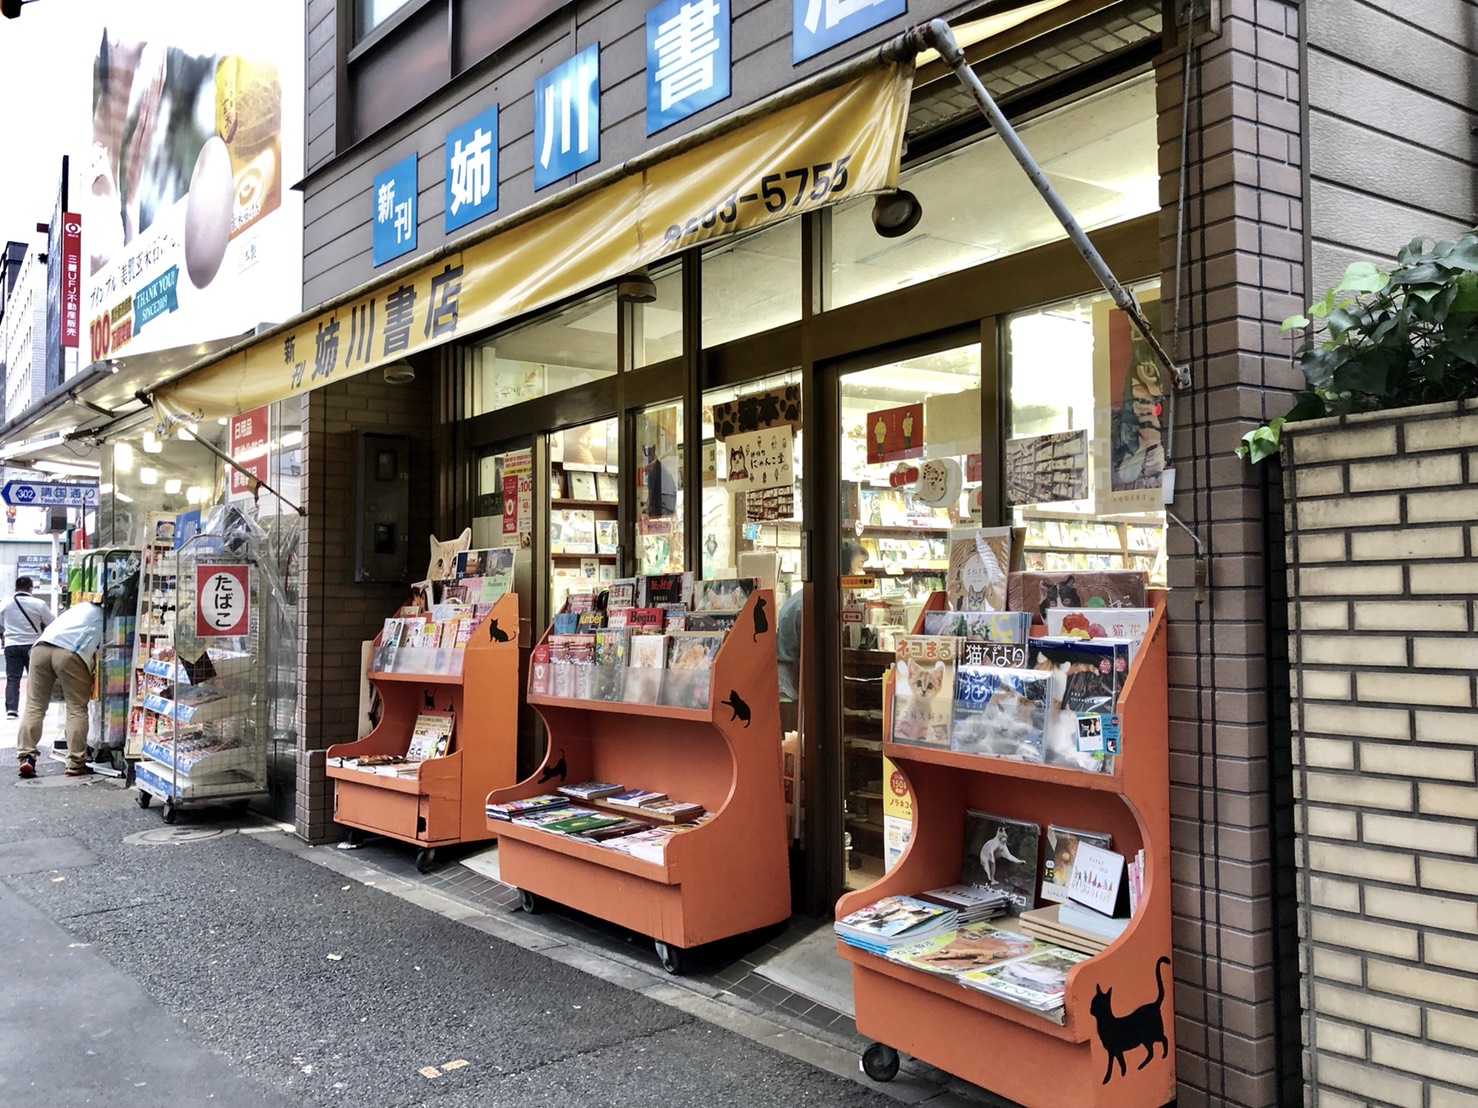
583	479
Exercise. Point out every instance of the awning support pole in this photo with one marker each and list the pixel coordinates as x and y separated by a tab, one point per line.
938	35
248	474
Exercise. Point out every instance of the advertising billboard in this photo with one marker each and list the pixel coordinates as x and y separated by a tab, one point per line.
191	230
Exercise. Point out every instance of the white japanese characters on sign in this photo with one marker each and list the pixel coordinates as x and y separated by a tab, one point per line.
472	169
567	117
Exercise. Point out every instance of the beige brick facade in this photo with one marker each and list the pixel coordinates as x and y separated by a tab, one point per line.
1388	886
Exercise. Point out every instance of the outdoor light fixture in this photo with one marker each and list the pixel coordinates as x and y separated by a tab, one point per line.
896	213
399	373
635	288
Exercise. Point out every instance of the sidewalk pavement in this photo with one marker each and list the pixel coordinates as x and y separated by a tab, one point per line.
155	959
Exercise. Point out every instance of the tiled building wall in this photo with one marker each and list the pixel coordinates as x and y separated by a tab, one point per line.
1240	272
336	614
1383	608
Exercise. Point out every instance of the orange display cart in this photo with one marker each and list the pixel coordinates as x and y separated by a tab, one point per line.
442	803
1094	1056
729	875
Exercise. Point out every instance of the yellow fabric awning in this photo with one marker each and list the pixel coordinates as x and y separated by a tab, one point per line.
843	142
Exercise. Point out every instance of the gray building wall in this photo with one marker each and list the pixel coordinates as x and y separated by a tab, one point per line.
1391	151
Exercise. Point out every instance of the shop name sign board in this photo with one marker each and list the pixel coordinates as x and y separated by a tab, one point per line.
567	117
222	594
37	494
819	25
841	143
394	198
687	59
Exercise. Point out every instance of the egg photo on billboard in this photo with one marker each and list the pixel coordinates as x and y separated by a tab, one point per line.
208	210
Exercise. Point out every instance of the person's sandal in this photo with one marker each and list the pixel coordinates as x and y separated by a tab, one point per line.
27	766
78	771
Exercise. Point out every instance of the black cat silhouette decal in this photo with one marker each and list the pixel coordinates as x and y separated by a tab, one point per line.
496	633
1145	1026
427	702
761	621
737	706
557	770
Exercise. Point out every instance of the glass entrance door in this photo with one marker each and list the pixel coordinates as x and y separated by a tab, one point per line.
584	487
909	450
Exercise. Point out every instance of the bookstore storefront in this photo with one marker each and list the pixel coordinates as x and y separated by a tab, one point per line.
703	419
814	403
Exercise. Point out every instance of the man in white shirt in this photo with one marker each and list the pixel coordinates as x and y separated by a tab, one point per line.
21	622
67	653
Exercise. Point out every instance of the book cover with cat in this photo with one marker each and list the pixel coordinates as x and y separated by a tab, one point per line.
1037	591
979	561
1000	712
1002	655
646	660
1037	981
971	947
1085	676
726	594
690	654
923	689
995	627
1057	858
1001	853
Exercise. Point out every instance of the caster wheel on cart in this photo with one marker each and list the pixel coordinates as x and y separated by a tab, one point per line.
674	959
144	799
880	1062
425	859
529	902
354	837
171	812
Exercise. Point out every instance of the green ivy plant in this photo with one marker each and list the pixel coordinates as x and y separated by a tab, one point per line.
1381	340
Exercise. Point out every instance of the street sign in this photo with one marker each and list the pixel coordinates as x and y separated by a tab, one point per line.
37	494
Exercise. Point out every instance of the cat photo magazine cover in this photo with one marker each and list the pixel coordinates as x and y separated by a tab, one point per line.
1002	853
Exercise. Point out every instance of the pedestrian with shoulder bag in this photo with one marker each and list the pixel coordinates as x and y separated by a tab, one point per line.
21	622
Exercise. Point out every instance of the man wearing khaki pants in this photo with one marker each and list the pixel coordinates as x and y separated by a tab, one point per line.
66	652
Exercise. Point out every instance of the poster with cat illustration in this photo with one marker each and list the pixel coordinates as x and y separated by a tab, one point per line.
924	689
979	561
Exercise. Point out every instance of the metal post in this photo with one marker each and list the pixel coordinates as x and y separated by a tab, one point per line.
938	35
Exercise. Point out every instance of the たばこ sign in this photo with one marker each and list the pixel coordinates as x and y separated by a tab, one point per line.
222	594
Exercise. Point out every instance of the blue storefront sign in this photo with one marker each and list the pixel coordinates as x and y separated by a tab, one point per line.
567	117
820	24
472	169
687	59
395	210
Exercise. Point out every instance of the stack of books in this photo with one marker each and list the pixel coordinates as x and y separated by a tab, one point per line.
512	809
972	903
894	921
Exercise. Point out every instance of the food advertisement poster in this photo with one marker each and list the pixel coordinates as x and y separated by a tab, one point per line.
191	230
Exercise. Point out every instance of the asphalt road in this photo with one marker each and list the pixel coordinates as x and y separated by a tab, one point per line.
224	971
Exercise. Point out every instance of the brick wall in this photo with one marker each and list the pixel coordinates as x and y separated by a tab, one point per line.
1383	599
336	614
1241	273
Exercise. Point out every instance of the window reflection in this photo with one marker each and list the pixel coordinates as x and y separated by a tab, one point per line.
568	348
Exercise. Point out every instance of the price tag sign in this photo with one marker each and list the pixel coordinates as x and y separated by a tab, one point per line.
222	600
